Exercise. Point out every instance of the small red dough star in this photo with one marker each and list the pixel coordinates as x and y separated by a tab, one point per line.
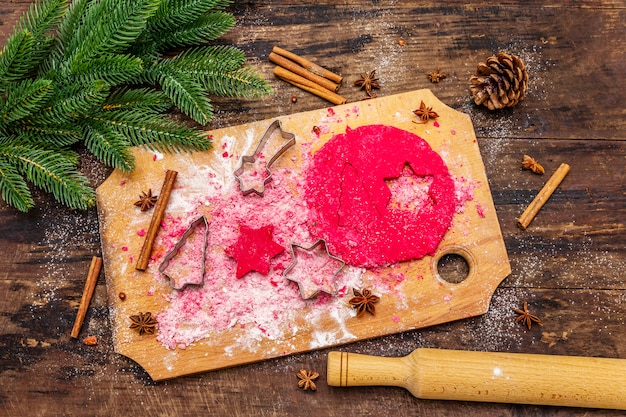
254	249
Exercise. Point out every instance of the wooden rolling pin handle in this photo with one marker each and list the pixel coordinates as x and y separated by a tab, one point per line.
489	377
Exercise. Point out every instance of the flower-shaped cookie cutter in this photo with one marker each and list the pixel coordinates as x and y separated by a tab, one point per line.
259	189
179	279
312	274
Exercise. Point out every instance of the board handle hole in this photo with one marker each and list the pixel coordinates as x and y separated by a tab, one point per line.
453	268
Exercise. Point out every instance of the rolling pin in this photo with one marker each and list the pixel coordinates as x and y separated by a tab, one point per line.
520	378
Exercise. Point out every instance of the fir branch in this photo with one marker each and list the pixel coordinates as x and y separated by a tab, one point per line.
218	58
25	98
69	73
144	100
154	131
172	14
49	135
204	29
243	82
110	26
184	92
71	103
109	146
113	69
42	16
15	58
13	189
40	20
53	170
67	31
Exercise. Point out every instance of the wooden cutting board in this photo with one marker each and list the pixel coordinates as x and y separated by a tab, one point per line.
420	298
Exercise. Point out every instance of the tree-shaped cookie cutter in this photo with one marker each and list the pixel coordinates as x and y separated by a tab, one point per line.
177	282
310	249
290	139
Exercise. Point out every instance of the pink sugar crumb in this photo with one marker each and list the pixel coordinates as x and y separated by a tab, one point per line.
224	145
436	123
141	232
342	291
447	297
331	112
453	132
395	318
125	248
123	182
480	210
154	157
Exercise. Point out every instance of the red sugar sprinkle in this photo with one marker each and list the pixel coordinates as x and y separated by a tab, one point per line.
436	123
124	248
225	155
480	210
141	232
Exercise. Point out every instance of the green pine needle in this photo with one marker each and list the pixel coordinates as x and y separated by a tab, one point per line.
94	72
172	14
183	90
205	29
154	131
53	170
113	69
25	98
138	100
109	146
13	189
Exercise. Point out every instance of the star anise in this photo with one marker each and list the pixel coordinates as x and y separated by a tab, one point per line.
144	322
526	318
146	200
436	75
367	82
363	301
306	379
425	113
530	163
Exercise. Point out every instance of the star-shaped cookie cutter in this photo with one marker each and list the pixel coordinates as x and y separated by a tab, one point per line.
251	159
310	249
176	282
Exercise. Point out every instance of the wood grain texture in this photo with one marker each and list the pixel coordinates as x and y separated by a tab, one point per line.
568	265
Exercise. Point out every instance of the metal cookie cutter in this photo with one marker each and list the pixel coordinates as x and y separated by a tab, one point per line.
259	188
183	274
312	274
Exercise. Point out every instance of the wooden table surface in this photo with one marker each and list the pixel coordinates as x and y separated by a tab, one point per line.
568	265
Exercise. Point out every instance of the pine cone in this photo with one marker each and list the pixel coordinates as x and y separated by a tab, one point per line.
501	82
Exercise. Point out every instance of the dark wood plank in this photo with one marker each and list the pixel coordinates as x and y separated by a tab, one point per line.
568	264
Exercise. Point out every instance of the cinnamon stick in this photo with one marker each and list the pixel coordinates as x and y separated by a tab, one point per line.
155	222
308	85
295	68
543	196
314	68
90	286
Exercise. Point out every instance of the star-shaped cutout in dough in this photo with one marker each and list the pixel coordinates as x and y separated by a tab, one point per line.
314	269
254	249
